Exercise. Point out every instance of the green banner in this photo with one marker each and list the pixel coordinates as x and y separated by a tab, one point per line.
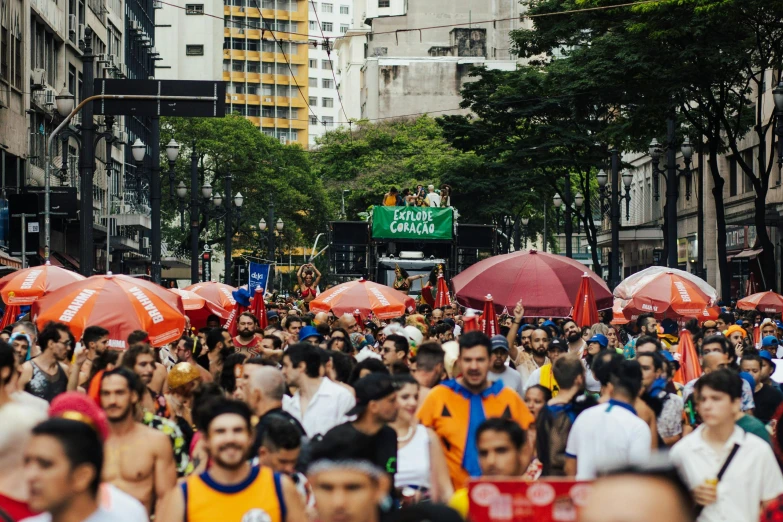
412	223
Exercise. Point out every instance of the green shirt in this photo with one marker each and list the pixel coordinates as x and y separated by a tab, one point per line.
752	425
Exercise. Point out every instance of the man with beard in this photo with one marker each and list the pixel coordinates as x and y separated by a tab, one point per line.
95	340
369	437
140	359
220	345
573	334
531	362
648	325
46	376
246	340
139	460
187	350
455	408
232	490
498	371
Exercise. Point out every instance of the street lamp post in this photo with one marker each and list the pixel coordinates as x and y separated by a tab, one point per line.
672	177
172	151
557	201
87	160
525	221
232	209
568	228
777	94
271	231
614	211
579	200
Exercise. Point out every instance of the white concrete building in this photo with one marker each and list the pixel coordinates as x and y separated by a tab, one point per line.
327	19
401	70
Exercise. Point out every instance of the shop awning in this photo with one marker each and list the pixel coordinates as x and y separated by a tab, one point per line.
10	262
748	253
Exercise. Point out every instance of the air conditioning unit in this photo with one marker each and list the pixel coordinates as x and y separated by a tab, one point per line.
241	9
241	31
104	58
135	26
38	78
72	24
124	69
114	60
234	98
283	140
268	100
120	136
49	98
145	242
157	4
80	33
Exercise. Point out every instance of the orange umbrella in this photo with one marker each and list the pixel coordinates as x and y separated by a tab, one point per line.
665	292
489	321
585	311
766	302
442	297
24	286
218	293
689	361
259	307
119	303
9	316
363	296
199	308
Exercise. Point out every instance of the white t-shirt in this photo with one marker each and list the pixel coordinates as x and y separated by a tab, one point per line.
434	199
326	409
608	436
511	379
115	506
753	476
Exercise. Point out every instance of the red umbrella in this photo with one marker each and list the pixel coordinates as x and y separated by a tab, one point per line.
665	292
470	323
585	310
766	302
9	316
24	286
689	362
442	298
198	308
489	321
363	297
259	308
546	283
218	293
119	303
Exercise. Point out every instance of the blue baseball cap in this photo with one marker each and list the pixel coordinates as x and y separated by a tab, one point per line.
779	324
770	341
739	322
310	331
666	354
749	378
764	354
499	343
600	339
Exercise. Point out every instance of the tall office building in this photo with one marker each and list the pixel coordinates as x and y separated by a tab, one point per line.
328	21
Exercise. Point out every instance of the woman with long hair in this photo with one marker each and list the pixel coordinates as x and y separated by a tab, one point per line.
421	466
403	281
308	278
536	398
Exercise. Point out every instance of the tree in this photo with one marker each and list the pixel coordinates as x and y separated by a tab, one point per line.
370	158
262	168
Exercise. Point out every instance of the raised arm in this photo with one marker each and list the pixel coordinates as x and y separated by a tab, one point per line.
299	276
317	275
511	336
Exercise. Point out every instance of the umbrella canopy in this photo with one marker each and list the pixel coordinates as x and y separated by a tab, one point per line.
198	308
442	297
363	296
24	286
665	292
766	302
689	361
119	303
546	283
622	314
218	293
259	307
489	321
585	309
9	315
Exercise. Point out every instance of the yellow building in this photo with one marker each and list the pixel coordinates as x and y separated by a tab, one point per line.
261	85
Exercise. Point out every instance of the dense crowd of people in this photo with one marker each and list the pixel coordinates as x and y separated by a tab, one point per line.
335	419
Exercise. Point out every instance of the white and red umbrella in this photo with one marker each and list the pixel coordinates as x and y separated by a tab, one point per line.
766	302
24	286
665	292
363	297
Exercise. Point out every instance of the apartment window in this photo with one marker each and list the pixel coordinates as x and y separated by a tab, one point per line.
326	64
194	9
253	110
194	50
313	101
313	63
328	121
312	82
238	66
343	28
313	120
268	47
327	102
326	83
252	89
253	67
268	89
343	9
267	112
384	3
327	26
313	25
326	8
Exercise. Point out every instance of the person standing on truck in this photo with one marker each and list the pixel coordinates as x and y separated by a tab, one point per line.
433	198
392	198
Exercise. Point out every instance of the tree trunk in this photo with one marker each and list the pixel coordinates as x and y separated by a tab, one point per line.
767	256
720	218
665	230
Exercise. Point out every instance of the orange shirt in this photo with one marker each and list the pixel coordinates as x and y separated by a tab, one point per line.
454	413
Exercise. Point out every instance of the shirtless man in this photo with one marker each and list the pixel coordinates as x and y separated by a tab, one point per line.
159	376
140	359
138	460
46	376
96	340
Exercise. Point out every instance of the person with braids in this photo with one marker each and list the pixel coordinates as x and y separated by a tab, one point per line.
403	281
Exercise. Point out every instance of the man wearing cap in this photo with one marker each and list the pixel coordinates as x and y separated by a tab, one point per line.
309	334
369	437
767	363
736	334
498	370
544	375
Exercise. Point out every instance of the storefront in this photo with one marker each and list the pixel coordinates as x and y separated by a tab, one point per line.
743	260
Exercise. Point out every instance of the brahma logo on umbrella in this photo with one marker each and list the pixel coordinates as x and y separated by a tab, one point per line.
335	294
228	295
29	281
146	302
76	305
381	298
684	295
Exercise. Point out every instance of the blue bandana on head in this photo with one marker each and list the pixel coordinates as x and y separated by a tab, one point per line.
470	461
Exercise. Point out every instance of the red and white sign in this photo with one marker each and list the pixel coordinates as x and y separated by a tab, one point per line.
506	500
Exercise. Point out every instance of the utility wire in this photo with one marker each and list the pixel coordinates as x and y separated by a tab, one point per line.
329	56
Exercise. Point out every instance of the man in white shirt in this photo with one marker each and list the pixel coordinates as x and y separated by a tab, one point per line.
318	404
610	435
433	198
573	334
751	477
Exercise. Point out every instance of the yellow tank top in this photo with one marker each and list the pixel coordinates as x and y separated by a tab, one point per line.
547	379
259	498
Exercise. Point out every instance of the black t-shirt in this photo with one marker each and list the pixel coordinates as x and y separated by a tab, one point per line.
346	442
767	400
